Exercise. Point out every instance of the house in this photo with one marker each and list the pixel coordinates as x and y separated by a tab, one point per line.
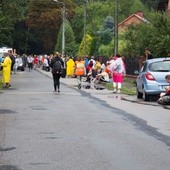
135	18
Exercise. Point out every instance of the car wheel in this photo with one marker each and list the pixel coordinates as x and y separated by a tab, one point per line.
139	95
146	97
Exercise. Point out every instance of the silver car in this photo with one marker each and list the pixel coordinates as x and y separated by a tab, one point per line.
151	78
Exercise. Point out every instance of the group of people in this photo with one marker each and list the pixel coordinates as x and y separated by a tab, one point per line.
95	69
91	68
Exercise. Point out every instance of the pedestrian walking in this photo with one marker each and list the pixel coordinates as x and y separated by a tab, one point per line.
35	61
80	70
117	67
30	62
70	64
46	63
6	71
57	66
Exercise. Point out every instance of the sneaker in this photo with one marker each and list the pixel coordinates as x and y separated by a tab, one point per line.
118	91
58	91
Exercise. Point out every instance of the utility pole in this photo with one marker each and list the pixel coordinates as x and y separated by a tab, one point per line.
85	15
63	32
116	28
63	22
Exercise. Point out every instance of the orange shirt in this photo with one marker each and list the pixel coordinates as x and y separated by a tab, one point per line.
79	68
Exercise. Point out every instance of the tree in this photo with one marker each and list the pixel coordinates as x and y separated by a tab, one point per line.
10	14
107	31
82	45
45	18
154	35
70	45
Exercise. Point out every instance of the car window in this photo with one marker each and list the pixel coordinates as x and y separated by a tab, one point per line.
160	66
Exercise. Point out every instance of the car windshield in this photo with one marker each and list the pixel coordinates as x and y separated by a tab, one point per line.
160	66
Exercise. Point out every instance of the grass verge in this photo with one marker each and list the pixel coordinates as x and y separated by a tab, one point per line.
128	86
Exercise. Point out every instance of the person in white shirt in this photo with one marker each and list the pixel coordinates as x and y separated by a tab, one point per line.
30	62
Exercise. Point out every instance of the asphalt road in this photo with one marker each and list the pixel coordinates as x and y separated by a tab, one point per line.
76	129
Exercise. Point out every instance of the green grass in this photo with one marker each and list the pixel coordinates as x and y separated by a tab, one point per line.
128	86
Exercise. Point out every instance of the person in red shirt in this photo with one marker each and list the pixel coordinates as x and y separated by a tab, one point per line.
35	62
165	96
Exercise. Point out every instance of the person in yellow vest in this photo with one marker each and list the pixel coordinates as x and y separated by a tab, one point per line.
79	70
70	67
6	72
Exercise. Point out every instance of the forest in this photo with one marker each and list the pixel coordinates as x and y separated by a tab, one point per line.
35	27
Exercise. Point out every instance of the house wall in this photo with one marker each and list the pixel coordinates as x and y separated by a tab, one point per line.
168	8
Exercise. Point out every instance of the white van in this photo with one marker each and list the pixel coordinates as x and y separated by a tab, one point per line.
4	50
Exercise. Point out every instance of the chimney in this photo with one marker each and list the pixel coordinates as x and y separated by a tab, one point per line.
140	13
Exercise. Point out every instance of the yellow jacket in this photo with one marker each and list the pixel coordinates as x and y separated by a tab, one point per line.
6	72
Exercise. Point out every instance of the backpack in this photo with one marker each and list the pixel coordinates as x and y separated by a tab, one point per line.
57	68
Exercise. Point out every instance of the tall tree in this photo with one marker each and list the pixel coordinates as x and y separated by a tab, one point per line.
10	14
70	44
45	17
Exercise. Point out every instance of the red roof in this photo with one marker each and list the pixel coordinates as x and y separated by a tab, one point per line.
131	16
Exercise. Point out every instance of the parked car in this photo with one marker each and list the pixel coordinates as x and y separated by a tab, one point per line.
151	78
19	64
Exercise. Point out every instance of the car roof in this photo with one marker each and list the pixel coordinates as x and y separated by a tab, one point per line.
158	59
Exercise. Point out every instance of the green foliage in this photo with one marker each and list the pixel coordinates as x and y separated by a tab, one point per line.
85	49
33	25
128	87
10	14
45	20
96	13
106	50
70	44
105	34
151	3
154	35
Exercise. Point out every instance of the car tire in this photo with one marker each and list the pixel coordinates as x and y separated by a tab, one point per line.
139	95
146	97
